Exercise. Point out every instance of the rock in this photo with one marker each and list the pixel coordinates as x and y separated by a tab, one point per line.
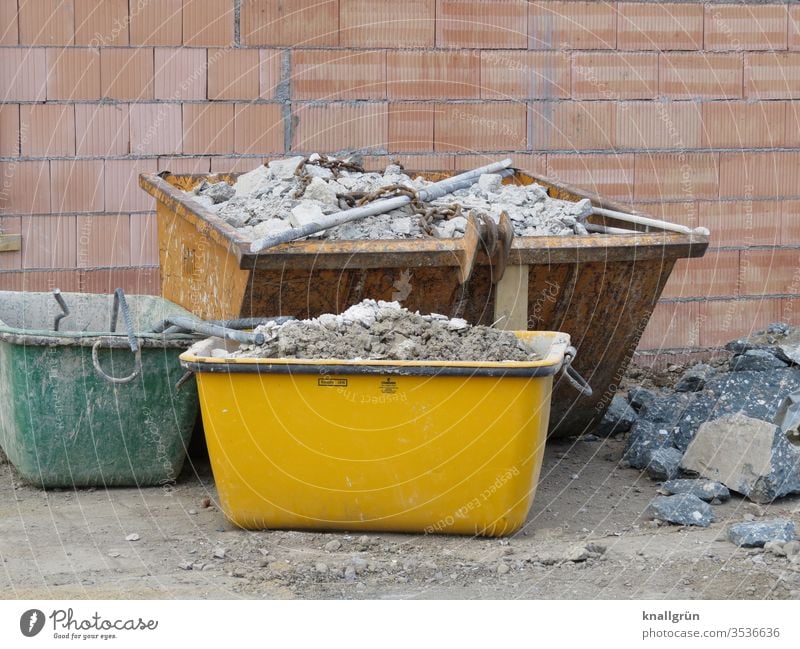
219	353
192	512
503	569
319	190
218	192
459	223
707	490
185	565
792	548
315	171
756	534
577	554
132	537
619	418
333	546
749	456
776	548
664	463
219	553
694	379
645	438
270	226
639	398
401	225
321	568
304	213
756	360
284	169
596	548
682	509
249	182
237	220
114	554
349	573
490	183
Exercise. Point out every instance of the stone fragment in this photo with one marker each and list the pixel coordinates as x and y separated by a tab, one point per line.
682	509
284	169
619	418
756	360
304	213
664	463
756	534
694	379
706	490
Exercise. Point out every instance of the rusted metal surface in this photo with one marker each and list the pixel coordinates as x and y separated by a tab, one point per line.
601	289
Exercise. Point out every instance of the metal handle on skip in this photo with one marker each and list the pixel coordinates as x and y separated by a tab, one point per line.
430	193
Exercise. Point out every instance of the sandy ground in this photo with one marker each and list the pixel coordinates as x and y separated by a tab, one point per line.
71	544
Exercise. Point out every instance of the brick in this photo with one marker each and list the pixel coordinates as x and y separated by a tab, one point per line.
76	185
673	325
410	127
338	74
702	75
143	239
9	130
421	163
49	129
530	163
572	125
224	165
122	185
293	23
743	125
101	23
680	212
772	75
769	272
73	74
614	75
104	240
25	187
270	72
676	176
745	27
791	130
156	23
432	75
126	73
464	128
759	174
742	223
794	27
507	74
659	26
790	311
46	281
258	128
572	25
193	165
9	25
102	130
23	74
725	320
207	23
337	127
716	274
180	74
659	125
376	23
606	175
482	23
11	260
790	224
49	241
134	281
156	129
46	22
233	74
207	128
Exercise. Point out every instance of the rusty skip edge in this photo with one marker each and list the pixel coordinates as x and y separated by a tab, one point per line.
641	245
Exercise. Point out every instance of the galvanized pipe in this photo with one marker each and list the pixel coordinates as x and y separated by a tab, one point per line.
649	222
432	192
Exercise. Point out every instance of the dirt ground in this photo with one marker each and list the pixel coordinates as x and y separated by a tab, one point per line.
71	544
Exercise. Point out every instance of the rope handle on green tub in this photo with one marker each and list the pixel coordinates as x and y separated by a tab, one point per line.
120	304
571	374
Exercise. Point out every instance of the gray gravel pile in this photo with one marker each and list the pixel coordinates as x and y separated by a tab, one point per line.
270	199
378	330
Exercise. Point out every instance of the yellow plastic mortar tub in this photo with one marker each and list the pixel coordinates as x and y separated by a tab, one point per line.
414	446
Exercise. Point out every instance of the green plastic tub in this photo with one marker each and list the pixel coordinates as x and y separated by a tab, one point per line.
68	419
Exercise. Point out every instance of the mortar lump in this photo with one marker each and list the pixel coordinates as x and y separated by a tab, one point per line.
385	331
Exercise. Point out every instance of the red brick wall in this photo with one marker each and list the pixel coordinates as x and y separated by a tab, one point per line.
684	110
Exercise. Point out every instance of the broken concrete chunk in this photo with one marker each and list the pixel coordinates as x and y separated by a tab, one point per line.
315	171
682	509
284	169
270	226
664	463
756	360
749	456
248	183
319	190
645	438
490	183
218	192
306	212
694	379
402	225
706	490
757	533
619	418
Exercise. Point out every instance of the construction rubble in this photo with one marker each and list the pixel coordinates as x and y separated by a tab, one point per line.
290	193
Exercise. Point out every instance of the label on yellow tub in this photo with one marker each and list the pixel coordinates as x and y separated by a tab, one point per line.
328	382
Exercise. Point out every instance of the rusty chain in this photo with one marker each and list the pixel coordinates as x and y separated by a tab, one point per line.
336	166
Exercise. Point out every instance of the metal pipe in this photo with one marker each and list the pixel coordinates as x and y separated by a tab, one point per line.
432	192
64	308
646	221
